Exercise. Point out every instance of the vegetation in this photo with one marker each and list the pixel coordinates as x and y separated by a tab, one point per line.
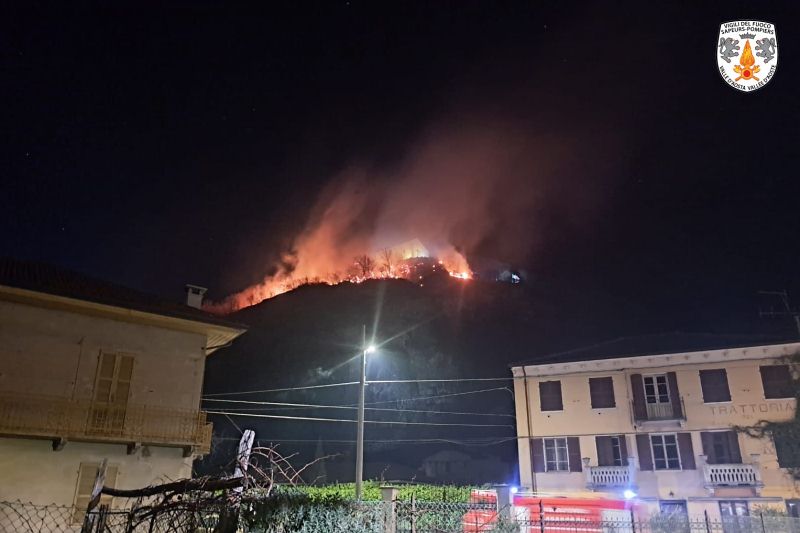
785	434
372	492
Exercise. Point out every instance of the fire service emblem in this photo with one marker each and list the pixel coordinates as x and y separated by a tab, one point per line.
747	53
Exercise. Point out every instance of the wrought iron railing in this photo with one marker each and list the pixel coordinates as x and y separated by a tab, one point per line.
24	415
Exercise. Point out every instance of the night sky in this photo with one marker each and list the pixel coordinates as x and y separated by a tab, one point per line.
185	144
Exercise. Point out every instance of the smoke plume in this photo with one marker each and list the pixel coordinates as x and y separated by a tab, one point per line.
462	189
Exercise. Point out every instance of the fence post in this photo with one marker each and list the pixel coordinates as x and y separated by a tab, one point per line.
541	515
763	529
708	524
413	513
101	518
389	496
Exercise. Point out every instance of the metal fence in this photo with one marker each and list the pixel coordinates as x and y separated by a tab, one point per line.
366	517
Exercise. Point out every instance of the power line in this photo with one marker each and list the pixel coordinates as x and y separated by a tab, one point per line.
350	408
392	423
466	442
440	396
344	384
453	380
282	390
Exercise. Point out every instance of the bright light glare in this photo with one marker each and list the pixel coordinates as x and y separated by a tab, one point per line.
371	348
629	494
514	490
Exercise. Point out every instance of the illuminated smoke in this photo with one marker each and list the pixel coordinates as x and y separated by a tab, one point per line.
459	190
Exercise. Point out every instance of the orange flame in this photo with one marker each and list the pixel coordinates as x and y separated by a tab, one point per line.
747	59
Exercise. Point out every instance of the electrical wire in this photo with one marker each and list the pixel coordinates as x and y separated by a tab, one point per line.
465	442
347	383
283	389
440	396
287	405
321	419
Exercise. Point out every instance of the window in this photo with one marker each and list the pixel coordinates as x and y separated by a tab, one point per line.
83	492
787	447
793	508
556	458
111	390
656	389
715	385
611	450
550	395
601	391
721	447
673	507
665	452
777	381
734	516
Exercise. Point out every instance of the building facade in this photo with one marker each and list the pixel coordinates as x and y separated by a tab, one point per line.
92	371
660	429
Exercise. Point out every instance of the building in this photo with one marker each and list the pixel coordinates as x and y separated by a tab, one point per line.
92	371
658	427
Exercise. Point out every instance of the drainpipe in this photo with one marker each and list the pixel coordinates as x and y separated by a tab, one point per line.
528	422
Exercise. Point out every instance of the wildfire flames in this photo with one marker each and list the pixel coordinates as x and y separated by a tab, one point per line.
389	263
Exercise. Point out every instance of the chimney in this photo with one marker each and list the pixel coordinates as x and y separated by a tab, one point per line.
194	296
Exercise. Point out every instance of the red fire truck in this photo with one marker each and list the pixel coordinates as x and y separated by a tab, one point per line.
550	514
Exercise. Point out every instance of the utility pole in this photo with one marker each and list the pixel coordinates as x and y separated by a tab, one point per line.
788	311
360	436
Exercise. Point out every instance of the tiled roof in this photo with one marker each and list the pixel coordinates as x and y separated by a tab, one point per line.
656	344
50	279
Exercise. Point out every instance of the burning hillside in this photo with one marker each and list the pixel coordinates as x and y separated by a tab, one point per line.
409	260
483	188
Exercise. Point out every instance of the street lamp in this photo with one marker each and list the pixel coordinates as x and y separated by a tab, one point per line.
365	349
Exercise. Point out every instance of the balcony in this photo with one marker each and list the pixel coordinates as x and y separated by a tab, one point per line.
654	412
62	420
610	477
732	475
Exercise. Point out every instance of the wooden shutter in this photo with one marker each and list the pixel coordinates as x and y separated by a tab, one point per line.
601	391
714	384
87	473
537	455
708	447
623	449
733	440
637	388
777	381
605	454
686	452
574	454
643	449
674	395
550	396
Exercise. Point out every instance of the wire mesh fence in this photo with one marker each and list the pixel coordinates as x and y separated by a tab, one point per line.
267	516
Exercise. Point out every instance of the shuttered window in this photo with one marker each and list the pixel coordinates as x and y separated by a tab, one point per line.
670	451
715	385
555	455
787	447
83	491
721	447
611	450
601	391
665	452
777	381
550	396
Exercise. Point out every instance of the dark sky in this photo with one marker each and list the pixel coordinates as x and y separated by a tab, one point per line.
155	147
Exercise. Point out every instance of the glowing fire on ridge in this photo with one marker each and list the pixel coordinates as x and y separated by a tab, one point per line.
409	260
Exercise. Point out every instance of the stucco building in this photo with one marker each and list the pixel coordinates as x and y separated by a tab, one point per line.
91	371
611	421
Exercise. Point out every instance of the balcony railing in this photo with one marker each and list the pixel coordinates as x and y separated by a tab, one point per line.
23	415
600	477
732	475
659	411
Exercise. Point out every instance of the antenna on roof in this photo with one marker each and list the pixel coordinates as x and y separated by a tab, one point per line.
787	308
